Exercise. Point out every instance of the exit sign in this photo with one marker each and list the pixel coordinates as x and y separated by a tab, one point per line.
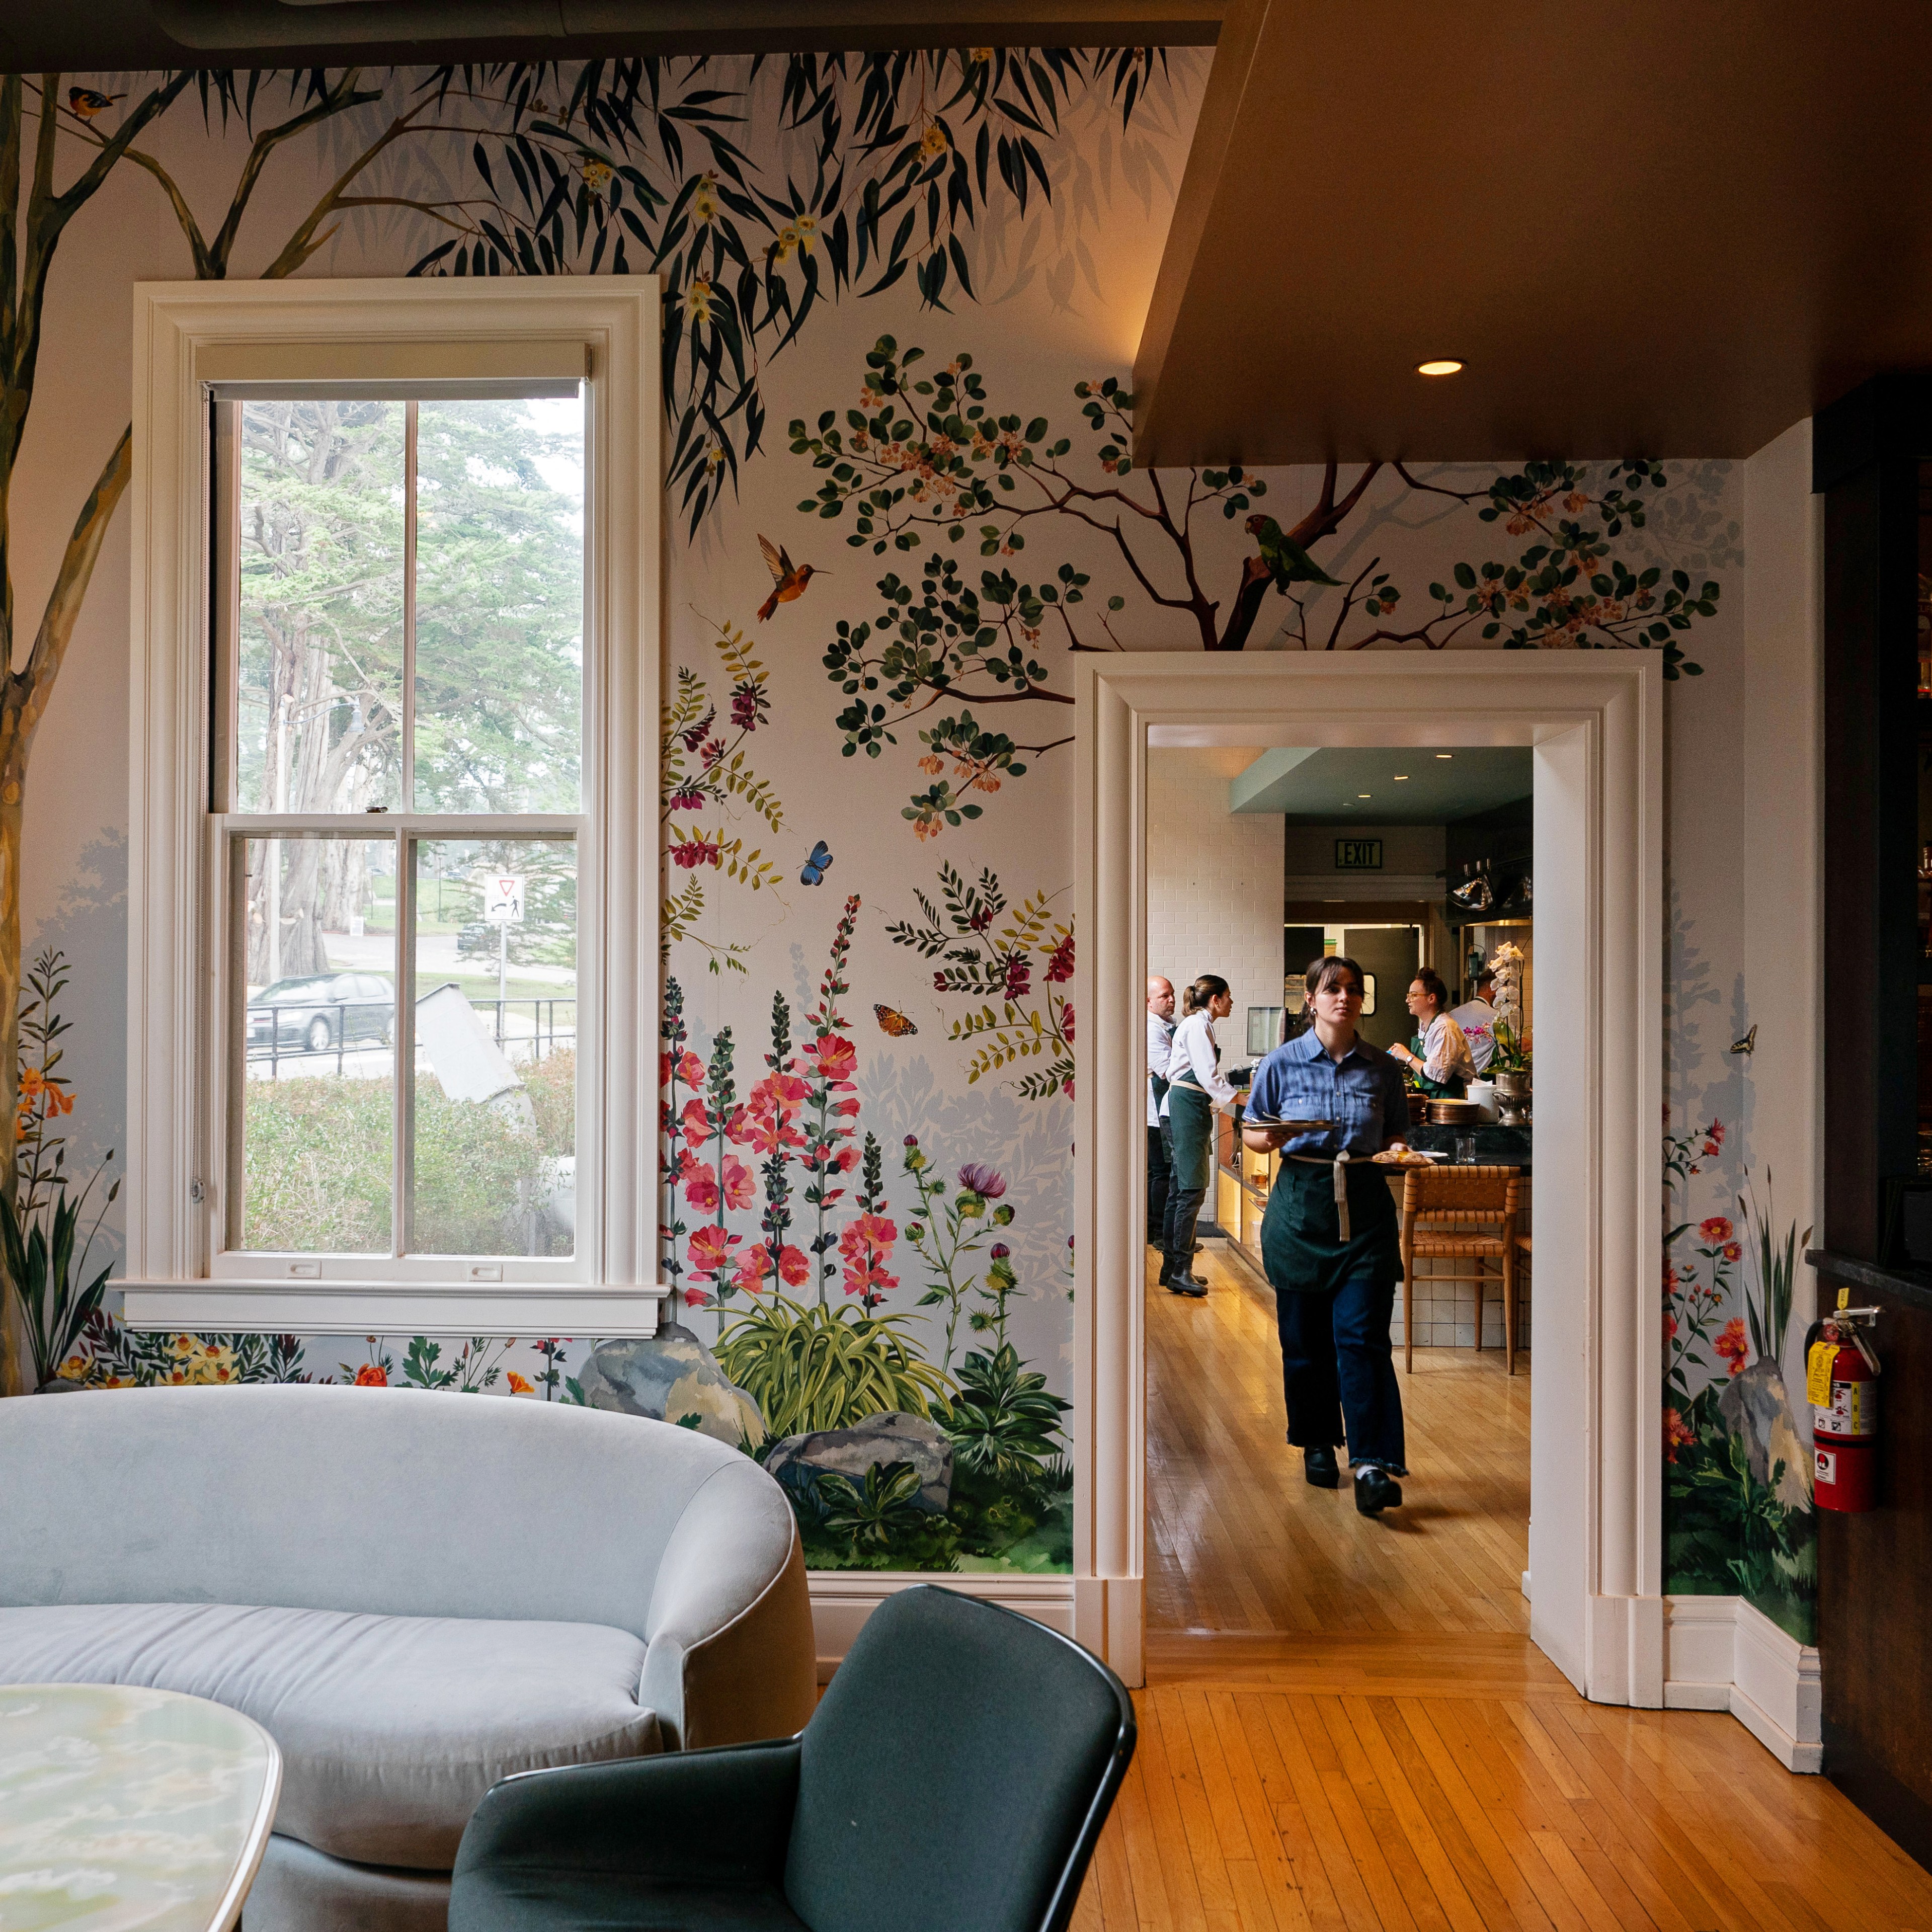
1358	855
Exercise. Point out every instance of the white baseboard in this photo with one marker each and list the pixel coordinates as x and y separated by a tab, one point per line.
841	1600
1721	1655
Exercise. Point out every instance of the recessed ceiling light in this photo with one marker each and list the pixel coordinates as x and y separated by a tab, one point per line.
1401	778
1363	794
1445	366
1445	754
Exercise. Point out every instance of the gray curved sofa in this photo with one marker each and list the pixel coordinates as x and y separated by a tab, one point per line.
414	1594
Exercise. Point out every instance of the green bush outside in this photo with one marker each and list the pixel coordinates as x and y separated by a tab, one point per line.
317	1157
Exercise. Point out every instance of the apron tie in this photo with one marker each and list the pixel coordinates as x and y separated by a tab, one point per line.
1342	1193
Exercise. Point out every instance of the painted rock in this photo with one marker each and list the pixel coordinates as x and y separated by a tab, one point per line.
672	1377
893	1437
1756	1406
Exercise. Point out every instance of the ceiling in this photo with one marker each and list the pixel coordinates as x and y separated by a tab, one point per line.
1664	230
1319	787
117	36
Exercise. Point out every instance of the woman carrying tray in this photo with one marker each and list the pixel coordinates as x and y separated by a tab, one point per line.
1330	1236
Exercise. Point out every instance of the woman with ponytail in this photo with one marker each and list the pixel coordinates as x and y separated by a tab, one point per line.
1195	1092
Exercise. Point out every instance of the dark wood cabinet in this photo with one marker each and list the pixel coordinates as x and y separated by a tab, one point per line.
1872	464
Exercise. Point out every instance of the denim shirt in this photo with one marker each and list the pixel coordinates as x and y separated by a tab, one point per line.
1363	1094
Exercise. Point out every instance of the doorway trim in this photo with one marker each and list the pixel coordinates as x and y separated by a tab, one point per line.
1595	722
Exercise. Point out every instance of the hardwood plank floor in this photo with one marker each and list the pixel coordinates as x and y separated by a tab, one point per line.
1345	1728
1238	1543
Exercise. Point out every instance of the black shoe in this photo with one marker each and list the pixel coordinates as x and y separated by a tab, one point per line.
1319	1465
1375	1490
1185	1284
1166	1270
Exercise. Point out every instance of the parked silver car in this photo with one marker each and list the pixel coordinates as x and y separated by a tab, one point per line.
320	1011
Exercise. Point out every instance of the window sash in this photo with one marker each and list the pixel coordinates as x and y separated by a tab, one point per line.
187	336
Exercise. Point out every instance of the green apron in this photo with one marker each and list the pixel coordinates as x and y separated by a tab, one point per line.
1301	1243
1190	1120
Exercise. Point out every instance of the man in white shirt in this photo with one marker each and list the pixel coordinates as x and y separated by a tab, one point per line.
1477	1019
1159	1044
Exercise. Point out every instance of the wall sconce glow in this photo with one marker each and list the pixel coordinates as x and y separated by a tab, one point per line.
1401	778
1444	368
1445	754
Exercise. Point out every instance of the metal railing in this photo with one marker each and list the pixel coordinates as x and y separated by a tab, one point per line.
545	1036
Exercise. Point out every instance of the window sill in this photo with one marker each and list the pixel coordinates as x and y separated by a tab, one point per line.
378	1308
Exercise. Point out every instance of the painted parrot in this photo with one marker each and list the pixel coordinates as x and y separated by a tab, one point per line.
1285	558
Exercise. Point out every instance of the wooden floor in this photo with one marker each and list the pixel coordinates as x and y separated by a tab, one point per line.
1240	1545
1345	1728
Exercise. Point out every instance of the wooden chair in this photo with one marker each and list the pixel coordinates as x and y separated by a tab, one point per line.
1466	1213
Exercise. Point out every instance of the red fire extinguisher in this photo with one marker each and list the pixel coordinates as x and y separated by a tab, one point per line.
1841	1384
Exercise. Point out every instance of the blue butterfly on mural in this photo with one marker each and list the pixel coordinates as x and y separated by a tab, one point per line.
812	872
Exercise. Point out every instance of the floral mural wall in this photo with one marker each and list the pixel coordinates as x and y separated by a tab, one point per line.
902	293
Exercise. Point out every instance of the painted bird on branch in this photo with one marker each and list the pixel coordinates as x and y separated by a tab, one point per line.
788	579
85	103
1288	562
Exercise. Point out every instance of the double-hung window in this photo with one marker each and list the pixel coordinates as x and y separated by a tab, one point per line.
394	884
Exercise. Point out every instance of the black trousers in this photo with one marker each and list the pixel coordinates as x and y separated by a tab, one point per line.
1156	1179
1337	1373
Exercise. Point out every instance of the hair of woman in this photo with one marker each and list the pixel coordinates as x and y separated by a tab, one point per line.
1430	981
1331	966
1209	986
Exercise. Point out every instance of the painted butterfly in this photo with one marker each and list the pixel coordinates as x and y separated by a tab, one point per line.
813	871
894	1022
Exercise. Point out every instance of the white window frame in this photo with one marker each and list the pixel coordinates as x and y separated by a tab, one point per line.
188	336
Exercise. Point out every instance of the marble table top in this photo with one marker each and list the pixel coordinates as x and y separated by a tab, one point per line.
122	1808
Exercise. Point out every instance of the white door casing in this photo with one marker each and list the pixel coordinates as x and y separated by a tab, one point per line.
1595	721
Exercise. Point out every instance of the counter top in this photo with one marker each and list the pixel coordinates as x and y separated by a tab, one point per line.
1912	1285
1496	1147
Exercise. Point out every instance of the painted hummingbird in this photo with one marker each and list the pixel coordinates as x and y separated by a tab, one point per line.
1285	558
788	579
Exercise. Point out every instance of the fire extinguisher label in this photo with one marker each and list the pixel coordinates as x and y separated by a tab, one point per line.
1818	1359
1853	1411
1827	1465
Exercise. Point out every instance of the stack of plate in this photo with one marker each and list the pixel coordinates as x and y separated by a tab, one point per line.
1454	1113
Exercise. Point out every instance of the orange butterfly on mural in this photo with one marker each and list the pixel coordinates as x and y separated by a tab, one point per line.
894	1022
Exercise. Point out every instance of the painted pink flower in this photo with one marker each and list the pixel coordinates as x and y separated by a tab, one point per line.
1733	1251
1059	967
777	1090
848	1109
695	1123
794	1269
837	1058
977	1178
1714	1137
739	1184
1066	1023
691	1070
1669	1328
700	1186
1716	1230
695	1297
692	853
710	1249
753	1264
1732	1345
1019	977
1678	1434
689	799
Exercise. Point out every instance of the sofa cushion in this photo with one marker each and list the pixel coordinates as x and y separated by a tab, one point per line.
390	1729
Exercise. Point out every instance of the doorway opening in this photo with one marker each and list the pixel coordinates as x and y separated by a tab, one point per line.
1419	868
1593	726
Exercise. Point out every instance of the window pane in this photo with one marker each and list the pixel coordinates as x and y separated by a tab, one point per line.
316	1100
499	606
320	676
494	1168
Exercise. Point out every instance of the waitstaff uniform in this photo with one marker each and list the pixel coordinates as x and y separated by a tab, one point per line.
1195	1088
1477	1020
1334	1277
1448	1065
1159	1046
